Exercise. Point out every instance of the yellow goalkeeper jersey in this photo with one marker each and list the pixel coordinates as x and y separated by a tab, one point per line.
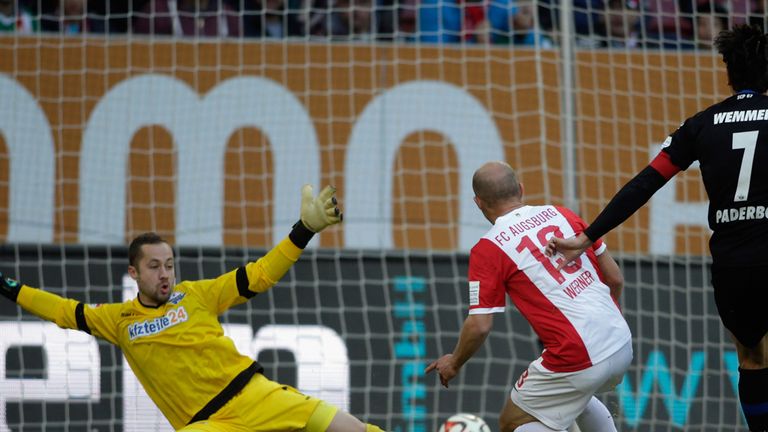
178	350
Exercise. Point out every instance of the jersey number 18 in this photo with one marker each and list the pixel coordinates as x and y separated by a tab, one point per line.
541	236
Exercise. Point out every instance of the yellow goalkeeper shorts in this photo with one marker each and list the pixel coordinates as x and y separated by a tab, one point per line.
263	405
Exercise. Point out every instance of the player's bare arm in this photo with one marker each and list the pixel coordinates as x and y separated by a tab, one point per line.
473	334
611	274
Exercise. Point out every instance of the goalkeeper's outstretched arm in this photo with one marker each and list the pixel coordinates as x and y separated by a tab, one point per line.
317	213
235	287
66	313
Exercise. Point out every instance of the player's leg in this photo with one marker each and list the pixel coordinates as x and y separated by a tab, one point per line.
740	298
596	417
753	383
211	426
514	419
345	422
328	418
267	406
541	400
755	357
556	399
535	427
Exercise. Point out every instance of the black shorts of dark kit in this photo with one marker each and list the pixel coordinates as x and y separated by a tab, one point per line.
741	296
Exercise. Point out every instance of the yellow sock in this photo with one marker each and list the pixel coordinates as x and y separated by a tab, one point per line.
372	428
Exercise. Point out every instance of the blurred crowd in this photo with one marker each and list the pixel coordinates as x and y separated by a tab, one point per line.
678	24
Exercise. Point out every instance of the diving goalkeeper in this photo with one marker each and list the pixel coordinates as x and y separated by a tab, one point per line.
171	336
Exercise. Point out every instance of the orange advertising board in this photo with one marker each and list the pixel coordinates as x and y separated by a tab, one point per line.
624	104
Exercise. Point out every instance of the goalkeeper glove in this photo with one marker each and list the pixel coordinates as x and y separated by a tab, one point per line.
9	287
319	212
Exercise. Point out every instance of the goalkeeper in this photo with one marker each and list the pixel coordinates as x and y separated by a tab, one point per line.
171	336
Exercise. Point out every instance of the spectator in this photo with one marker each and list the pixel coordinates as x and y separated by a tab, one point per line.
669	24
757	16
407	12
17	19
109	16
352	20
453	21
273	18
589	22
68	17
507	21
439	21
188	18
549	12
711	19
476	28
745	11
527	29
72	16
316	17
513	21
387	17
622	24
618	26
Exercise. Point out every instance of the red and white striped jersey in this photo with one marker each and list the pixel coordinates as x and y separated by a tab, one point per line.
570	310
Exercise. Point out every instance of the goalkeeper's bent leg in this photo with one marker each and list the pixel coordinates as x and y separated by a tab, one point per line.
329	418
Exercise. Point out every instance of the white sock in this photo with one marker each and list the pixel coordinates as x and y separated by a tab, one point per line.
534	427
596	418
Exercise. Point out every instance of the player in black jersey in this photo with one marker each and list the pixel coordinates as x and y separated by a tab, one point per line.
730	141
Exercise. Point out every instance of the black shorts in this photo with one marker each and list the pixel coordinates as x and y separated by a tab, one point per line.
741	296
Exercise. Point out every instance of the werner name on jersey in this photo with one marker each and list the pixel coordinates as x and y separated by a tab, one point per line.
571	311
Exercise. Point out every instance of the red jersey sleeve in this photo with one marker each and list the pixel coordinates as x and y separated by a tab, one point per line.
579	226
486	286
664	165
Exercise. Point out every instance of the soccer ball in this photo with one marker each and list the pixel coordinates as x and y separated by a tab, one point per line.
463	422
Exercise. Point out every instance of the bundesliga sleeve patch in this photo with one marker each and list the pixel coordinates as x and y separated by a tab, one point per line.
474	293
